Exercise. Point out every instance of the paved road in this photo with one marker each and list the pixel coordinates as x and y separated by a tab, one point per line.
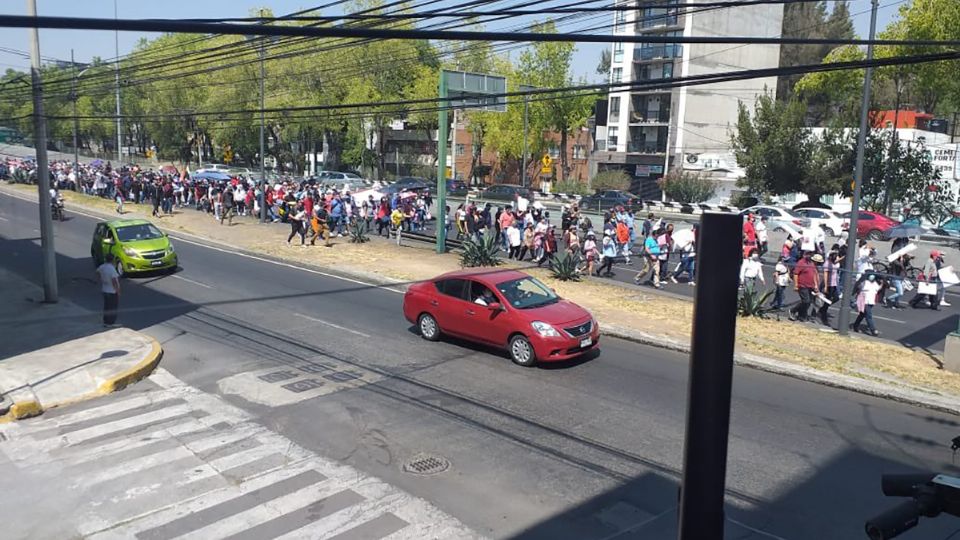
921	328
585	450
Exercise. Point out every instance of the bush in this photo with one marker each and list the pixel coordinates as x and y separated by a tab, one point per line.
687	187
482	253
566	266
742	199
612	179
358	232
753	303
571	187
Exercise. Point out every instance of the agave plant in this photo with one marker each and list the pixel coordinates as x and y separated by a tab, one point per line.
565	266
753	303
484	252
358	232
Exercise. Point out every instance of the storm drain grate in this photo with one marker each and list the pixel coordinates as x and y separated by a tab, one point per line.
426	464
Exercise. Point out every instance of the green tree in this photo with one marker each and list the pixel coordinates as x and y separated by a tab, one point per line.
548	65
809	20
611	179
903	171
687	187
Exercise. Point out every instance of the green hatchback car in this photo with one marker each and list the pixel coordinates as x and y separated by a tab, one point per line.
137	246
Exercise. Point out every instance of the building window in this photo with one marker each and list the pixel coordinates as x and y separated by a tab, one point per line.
619	21
618	52
578	152
612	135
553	152
460	150
617	75
615	108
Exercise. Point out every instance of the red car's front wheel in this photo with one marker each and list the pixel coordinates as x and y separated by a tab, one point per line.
521	351
429	329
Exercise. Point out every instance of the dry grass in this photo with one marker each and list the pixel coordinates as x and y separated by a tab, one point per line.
626	307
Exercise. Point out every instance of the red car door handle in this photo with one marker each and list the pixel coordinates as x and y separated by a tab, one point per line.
434	303
470	312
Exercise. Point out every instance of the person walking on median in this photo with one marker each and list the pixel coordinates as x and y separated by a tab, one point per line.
651	255
806	283
751	271
781	278
109	281
865	302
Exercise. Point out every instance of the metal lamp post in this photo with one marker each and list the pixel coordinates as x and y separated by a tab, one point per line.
76	120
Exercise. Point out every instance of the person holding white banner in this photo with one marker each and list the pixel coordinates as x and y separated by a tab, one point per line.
930	287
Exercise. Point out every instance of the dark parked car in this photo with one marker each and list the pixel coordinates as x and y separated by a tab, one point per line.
457	187
411	183
606	200
506	192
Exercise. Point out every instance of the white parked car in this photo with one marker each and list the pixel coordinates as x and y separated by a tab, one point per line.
831	222
778	219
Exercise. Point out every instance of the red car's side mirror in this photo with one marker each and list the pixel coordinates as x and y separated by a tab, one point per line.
494	306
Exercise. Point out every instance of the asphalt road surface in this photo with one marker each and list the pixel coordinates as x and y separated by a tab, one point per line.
583	450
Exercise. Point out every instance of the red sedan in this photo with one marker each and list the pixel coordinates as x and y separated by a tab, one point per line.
503	308
872	225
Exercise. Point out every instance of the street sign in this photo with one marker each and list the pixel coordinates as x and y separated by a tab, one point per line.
546	161
473	90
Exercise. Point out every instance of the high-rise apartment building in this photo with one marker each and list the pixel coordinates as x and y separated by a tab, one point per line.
649	130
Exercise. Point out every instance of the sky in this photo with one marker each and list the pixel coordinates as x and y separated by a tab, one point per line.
57	44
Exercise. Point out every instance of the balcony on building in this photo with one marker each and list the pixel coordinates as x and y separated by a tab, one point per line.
657	52
650	109
651	17
647	140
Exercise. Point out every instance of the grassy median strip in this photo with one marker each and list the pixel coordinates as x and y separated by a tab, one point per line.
628	307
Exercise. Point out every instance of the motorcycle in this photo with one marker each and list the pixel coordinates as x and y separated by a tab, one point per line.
56	209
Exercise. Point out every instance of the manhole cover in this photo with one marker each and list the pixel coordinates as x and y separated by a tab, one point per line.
426	464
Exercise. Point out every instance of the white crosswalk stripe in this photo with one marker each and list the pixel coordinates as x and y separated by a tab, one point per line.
180	463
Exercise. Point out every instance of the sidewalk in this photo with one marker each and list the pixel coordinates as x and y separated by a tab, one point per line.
865	365
55	354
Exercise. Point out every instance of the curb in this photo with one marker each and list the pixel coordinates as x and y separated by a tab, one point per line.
930	400
30	407
134	374
945	403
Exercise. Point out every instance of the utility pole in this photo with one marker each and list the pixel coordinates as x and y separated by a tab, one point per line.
453	147
526	123
893	153
43	175
76	120
263	174
442	132
844	318
116	67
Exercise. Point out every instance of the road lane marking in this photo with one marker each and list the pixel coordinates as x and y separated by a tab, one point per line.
181	278
330	324
3	219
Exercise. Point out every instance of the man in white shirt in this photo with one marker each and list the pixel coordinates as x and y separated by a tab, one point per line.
868	291
751	270
110	287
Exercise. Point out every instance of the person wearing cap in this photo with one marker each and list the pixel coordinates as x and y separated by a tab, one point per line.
608	254
549	245
931	274
623	238
821	298
514	240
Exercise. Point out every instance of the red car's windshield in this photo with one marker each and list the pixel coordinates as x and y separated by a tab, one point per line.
527	293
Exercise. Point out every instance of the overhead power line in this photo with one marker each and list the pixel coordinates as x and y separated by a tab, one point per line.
187	27
556	93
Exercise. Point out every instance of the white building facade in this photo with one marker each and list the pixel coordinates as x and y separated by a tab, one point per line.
650	131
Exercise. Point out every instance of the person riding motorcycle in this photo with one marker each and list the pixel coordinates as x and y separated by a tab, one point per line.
56	202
